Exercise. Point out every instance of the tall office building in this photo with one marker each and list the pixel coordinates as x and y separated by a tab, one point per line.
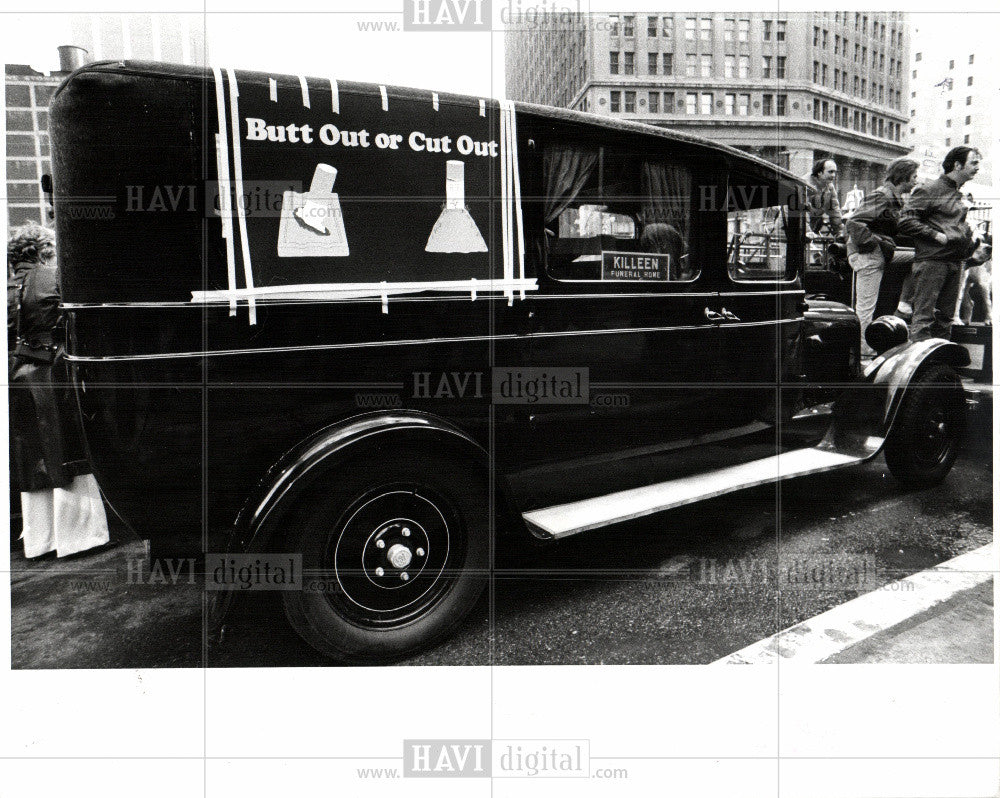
953	83
790	87
179	38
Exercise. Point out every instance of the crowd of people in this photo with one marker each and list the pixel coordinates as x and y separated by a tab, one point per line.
946	265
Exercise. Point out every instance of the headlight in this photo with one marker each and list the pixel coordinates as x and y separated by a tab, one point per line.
886	332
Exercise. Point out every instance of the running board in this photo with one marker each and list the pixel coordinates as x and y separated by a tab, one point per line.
564	520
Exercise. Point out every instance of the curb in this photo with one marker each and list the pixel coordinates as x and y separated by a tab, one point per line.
831	632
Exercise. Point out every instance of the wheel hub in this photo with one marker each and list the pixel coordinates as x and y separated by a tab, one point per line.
396	553
400	556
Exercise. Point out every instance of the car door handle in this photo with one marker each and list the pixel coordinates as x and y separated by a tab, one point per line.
728	314
711	315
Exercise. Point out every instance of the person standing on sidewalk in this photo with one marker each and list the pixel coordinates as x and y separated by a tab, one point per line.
934	216
871	238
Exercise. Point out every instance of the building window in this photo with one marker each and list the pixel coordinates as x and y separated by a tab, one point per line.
613	64
729	30
654	62
836	78
706	66
779	30
730	66
968	100
630	102
857	83
766	66
826	111
628	26
947	142
690	65
947	123
744	67
826	39
815	71
969	81
668	63
706	103
914	74
730	104
782	104
972	60
744	30
826	74
768	25
966	140
815	36
668	27
836	45
767	105
689	28
691	103
948	104
816	111
616	102
652	25
913	112
951	65
918	56
613	24
968	120
705	30
857	52
629	63
668	102
654	102
743	105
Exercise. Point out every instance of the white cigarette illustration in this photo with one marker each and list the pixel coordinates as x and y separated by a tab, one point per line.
455	230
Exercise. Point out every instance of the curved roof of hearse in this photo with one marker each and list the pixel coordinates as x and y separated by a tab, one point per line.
181	71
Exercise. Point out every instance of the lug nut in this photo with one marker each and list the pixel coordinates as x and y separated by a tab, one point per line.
380	571
420	552
380	544
404	576
406	531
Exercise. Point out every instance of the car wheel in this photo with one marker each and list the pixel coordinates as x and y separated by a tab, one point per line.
395	552
925	439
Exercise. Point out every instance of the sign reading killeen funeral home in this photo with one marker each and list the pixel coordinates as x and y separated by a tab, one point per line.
634	266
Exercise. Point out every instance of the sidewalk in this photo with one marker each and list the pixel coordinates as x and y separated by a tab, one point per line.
959	630
941	615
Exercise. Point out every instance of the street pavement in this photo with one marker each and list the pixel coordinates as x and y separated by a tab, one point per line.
689	586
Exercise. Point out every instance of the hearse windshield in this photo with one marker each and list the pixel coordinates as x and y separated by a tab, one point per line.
762	221
615	216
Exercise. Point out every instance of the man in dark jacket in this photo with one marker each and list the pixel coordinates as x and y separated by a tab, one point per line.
821	197
934	216
871	242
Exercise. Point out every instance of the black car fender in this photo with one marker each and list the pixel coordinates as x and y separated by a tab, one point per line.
894	371
326	449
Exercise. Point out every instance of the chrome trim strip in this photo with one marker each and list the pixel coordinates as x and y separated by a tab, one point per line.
458	297
362	344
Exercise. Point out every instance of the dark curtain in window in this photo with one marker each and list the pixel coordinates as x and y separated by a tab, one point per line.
566	172
666	195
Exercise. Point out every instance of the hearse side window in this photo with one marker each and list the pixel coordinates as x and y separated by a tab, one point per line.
762	229
615	216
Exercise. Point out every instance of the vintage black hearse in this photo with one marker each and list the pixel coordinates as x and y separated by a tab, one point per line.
373	325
